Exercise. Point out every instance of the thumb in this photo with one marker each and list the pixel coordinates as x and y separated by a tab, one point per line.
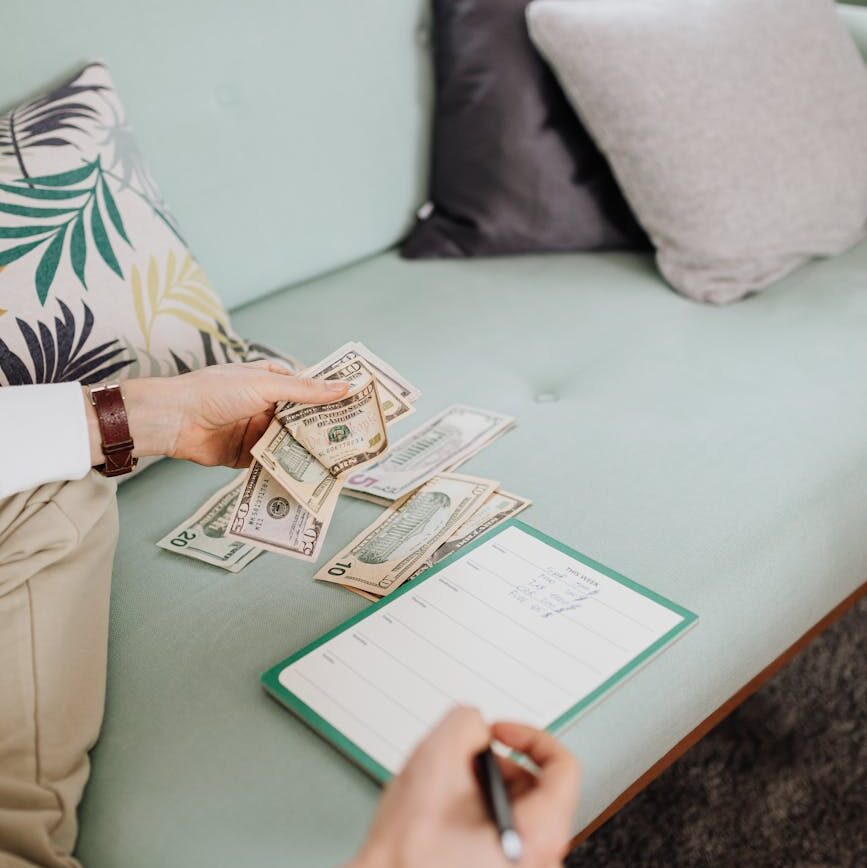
445	757
461	733
277	388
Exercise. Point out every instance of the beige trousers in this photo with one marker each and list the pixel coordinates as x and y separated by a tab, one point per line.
56	548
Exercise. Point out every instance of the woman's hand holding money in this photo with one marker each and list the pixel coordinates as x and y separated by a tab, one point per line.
212	416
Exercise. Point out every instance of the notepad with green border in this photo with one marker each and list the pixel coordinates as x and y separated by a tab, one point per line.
516	623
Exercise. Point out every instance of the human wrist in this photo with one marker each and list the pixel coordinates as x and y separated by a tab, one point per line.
152	416
151	406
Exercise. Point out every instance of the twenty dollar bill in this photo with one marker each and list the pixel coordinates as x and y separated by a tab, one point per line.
202	535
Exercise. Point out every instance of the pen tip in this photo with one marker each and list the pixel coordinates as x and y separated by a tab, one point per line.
512	848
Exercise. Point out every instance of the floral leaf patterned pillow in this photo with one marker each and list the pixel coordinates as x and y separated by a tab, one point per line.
96	281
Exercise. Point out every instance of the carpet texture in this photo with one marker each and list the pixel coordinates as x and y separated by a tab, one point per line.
781	783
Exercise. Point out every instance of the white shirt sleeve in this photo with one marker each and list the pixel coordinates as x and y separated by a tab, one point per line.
43	436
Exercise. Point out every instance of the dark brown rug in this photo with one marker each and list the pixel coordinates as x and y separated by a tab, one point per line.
781	783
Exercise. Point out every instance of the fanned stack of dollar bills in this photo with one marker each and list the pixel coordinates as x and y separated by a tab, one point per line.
310	454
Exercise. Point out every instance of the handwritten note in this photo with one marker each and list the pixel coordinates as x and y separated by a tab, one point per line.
516	627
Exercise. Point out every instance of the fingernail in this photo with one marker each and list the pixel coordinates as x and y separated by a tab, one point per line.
337	385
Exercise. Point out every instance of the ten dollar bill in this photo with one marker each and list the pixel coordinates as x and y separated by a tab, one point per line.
393	548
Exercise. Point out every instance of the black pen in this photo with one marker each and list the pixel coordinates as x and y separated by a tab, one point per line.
496	800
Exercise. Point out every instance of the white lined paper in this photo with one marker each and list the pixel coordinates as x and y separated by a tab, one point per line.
515	627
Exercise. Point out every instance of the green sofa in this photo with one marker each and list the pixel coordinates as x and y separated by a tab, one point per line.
718	456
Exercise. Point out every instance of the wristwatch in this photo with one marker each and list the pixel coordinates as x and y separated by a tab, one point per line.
117	442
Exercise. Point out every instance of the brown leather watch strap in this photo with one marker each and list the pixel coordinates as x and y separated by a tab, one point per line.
117	442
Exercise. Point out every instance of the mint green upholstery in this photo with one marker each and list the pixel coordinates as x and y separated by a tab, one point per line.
286	135
717	455
856	21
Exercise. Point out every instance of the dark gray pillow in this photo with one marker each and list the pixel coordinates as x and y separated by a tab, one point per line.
513	170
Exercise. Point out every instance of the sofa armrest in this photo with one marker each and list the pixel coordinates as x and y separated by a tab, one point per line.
855	19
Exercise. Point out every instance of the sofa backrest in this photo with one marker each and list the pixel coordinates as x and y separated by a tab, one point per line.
290	137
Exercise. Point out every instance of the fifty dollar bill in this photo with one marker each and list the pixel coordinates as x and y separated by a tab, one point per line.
266	516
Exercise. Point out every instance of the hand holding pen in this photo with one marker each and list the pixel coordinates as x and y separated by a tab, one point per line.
495	795
434	812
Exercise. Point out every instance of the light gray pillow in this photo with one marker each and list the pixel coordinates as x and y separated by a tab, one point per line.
736	128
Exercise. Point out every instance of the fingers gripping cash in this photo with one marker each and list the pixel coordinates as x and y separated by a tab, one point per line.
311	454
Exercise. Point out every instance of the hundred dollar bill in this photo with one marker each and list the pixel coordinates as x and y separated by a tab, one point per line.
202	535
441	444
267	517
499	507
336	438
353	361
391	550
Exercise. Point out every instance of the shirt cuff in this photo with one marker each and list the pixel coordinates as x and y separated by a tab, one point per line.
43	436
